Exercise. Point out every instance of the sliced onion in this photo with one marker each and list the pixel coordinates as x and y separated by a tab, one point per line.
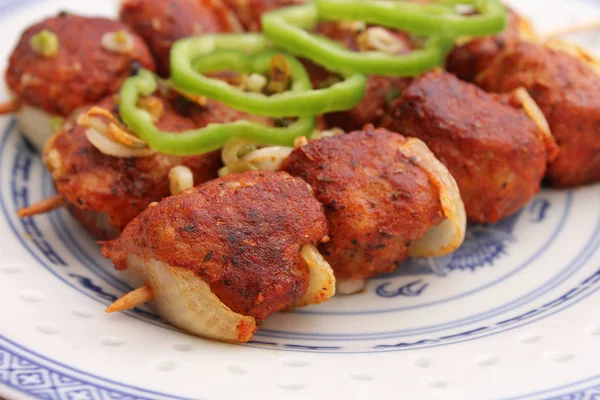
264	159
380	39
231	151
533	110
317	134
35	124
110	148
450	233
120	42
321	286
186	301
236	168
180	178
268	158
350	286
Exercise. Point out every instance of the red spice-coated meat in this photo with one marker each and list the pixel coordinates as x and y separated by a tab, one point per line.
83	71
468	60
376	201
568	93
162	22
496	153
121	188
242	234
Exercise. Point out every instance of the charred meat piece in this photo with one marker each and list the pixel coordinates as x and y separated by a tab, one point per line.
162	22
496	153
567	89
241	235
116	190
378	199
67	62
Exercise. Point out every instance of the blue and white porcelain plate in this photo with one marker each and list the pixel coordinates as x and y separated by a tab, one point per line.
515	313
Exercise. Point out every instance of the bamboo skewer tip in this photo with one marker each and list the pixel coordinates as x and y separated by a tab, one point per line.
131	300
41	207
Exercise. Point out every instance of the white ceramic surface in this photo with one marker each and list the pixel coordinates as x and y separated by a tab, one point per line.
513	314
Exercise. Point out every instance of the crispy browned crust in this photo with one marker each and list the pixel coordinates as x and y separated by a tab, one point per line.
242	234
495	152
376	201
468	60
121	188
568	93
83	72
162	22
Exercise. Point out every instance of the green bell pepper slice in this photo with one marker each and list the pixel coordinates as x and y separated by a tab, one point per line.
288	27
203	140
191	58
435	19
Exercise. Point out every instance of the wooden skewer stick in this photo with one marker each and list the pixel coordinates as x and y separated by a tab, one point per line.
10	107
575	28
131	300
41	207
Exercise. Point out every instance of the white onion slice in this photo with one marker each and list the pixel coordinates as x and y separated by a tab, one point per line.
264	159
268	158
350	286
110	148
533	110
229	154
180	178
450	233
186	301
321	286
35	124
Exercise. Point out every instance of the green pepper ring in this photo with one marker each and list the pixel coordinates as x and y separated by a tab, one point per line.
288	27
423	19
209	138
192	57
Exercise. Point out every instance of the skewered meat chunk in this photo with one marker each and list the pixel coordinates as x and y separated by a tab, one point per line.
244	236
67	62
162	22
379	198
496	153
567	89
469	59
116	189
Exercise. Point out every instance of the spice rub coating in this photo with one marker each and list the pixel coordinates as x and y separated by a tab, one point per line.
567	90
162	22
82	72
376	201
121	188
242	234
494	151
468	60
